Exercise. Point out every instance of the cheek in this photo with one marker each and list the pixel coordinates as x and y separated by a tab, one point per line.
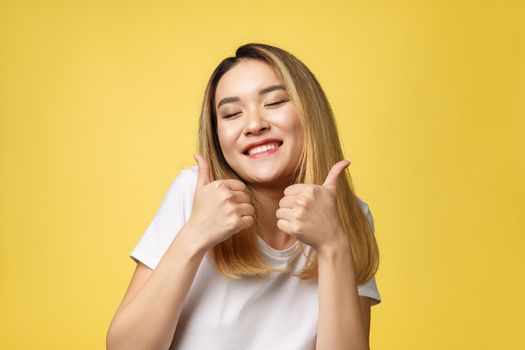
298	131
226	138
288	119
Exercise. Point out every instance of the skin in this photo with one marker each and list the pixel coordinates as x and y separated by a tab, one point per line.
155	298
291	212
256	119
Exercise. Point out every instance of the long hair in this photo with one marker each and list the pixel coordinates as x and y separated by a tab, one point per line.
239	256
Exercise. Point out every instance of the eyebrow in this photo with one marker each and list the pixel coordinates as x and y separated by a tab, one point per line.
261	92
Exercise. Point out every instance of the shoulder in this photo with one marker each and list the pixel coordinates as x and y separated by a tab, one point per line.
180	191
189	173
363	204
185	180
366	210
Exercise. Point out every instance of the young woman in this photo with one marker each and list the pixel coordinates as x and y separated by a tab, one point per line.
263	244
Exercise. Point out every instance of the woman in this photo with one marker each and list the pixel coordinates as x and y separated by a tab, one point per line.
264	244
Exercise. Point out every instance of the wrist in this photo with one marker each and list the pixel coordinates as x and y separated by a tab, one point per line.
336	256
337	247
190	238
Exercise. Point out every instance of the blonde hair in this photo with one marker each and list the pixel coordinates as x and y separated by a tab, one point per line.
239	255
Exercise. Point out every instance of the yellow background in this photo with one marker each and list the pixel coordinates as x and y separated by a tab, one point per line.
99	102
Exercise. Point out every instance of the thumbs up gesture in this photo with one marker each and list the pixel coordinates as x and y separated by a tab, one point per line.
220	208
309	212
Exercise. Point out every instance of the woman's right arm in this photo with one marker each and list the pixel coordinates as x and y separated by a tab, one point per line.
149	313
150	310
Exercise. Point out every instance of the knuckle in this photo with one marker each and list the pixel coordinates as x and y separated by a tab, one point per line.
230	208
237	210
233	221
312	192
297	228
301	202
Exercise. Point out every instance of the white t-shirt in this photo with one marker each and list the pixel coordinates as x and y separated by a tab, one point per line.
278	312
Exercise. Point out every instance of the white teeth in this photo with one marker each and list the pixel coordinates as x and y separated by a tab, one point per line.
263	148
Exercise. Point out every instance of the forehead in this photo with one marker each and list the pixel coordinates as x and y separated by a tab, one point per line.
245	78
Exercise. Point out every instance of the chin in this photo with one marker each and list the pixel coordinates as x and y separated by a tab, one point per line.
264	175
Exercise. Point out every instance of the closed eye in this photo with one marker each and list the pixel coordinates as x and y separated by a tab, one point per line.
276	103
231	115
271	104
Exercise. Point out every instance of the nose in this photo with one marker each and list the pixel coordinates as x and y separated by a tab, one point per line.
256	123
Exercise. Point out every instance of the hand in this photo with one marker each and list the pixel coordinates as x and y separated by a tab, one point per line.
309	212
220	208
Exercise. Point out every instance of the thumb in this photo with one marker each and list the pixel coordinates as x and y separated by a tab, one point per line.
331	179
203	176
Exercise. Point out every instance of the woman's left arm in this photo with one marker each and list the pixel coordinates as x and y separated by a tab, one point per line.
344	316
309	213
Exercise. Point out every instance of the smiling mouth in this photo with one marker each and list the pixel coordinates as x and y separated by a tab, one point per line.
261	154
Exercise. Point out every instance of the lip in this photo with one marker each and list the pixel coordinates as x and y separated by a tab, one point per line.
259	143
263	154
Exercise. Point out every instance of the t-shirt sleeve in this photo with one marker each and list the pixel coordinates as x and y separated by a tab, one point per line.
369	288
170	217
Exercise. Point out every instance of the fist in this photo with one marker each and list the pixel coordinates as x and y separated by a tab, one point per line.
220	208
309	212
